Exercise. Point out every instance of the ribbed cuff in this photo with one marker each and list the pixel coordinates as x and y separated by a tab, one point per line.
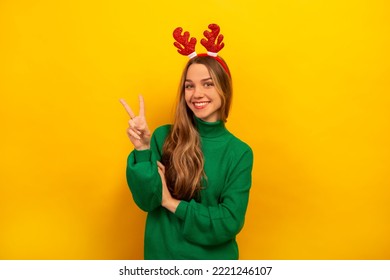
181	210
142	156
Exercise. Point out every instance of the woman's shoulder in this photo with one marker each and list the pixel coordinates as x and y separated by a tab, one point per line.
159	136
239	145
162	132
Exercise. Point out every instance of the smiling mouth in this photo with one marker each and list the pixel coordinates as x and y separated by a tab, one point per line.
200	105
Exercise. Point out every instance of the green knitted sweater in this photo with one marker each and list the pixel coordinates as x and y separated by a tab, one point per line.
197	230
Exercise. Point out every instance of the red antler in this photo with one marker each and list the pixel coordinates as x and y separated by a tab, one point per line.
185	46
209	42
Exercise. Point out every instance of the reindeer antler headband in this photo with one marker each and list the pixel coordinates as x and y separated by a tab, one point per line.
213	43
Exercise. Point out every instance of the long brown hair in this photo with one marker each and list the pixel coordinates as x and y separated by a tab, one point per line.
182	153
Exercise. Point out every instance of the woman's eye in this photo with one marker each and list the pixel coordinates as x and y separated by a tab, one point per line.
188	86
208	84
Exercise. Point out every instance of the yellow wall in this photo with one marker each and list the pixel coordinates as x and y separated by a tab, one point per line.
312	98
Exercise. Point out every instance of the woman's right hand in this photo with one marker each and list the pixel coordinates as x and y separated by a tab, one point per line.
138	131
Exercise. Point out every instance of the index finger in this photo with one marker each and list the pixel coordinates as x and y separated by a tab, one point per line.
127	108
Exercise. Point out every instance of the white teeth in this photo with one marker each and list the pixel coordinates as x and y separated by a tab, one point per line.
201	103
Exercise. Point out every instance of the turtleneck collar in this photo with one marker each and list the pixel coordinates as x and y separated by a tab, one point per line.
210	129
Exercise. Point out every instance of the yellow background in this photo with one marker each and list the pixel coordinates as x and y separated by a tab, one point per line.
311	97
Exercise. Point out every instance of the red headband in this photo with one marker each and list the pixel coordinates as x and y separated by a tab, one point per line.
213	44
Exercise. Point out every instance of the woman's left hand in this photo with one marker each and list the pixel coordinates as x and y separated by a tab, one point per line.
167	201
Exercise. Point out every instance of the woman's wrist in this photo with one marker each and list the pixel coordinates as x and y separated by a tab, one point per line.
142	148
171	204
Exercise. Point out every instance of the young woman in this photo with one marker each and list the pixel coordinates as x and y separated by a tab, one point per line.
193	177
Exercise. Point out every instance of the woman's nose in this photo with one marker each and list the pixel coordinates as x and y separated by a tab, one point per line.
198	92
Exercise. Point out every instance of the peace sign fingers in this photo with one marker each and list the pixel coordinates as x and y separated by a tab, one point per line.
130	111
138	130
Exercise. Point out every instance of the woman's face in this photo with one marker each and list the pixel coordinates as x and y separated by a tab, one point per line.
201	95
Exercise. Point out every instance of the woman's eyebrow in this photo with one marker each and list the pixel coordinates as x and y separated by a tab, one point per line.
203	80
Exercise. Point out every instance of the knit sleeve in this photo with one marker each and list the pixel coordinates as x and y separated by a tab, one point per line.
142	174
215	225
